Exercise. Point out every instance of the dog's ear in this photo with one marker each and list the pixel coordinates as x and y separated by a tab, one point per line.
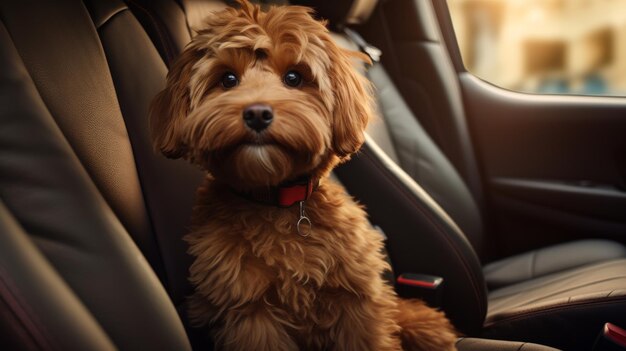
171	106
353	101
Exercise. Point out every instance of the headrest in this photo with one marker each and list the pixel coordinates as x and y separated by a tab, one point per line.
341	12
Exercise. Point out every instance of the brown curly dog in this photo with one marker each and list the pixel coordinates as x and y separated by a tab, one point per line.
284	259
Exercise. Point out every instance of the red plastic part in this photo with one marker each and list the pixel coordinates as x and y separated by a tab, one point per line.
419	283
615	334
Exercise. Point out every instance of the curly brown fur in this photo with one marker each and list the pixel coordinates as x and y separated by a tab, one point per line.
258	284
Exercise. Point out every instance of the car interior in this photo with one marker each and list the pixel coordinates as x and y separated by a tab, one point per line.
516	200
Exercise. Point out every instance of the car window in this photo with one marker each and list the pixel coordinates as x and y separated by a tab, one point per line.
544	46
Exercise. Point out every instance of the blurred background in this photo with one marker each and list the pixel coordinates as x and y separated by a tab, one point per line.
544	46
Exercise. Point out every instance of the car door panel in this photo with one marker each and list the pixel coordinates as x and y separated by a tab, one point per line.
554	165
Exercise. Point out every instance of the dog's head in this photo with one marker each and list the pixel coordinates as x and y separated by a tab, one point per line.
258	98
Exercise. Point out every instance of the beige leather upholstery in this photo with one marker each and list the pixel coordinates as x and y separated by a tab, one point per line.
566	309
603	281
553	259
68	177
56	321
197	10
360	11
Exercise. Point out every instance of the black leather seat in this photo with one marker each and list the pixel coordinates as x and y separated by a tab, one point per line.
90	217
529	294
444	195
408	144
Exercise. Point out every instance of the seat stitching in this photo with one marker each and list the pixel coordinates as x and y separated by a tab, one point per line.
569	288
436	225
533	262
563	276
10	294
531	313
572	306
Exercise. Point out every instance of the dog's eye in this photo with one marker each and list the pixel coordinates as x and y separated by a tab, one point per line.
229	80
293	79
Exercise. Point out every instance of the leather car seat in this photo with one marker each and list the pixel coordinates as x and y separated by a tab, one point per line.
419	156
90	217
528	295
529	286
82	266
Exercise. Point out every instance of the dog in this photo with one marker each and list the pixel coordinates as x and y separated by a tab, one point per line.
267	104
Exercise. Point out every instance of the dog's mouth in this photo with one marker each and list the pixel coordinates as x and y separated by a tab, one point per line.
259	143
258	159
259	140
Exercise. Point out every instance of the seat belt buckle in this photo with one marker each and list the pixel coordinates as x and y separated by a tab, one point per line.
612	338
428	288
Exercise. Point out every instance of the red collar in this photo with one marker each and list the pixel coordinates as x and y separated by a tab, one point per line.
285	194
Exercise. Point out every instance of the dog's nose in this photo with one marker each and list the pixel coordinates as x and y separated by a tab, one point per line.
258	116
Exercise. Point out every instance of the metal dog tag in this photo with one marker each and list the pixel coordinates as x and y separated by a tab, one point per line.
304	225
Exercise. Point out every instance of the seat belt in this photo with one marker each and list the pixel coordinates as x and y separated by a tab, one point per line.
428	288
368	49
